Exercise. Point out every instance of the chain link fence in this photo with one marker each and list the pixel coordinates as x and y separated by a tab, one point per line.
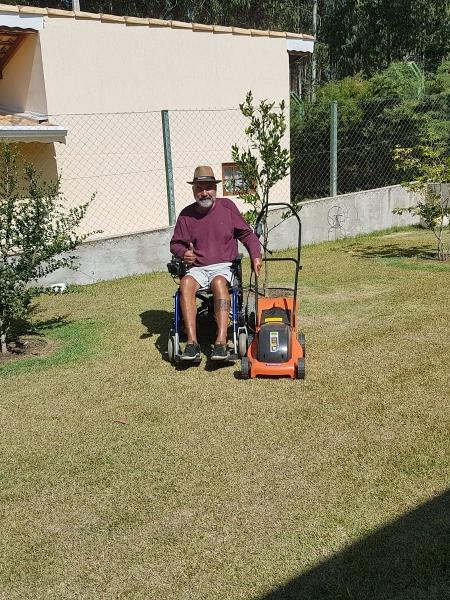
115	159
202	138
366	135
120	160
138	184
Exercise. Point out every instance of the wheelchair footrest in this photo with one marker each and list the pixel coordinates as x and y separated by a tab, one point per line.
230	358
194	361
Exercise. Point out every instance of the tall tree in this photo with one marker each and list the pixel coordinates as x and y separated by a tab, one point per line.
355	36
367	35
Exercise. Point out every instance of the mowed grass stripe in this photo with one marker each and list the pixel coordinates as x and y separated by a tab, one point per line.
220	488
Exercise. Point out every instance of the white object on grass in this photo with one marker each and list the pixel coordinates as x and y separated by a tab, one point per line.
59	288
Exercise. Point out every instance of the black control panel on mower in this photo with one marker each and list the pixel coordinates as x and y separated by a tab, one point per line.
275	336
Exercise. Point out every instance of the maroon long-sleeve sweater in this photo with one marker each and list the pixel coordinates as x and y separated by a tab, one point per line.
214	234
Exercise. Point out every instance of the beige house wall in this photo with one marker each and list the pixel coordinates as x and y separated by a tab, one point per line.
92	66
22	88
120	159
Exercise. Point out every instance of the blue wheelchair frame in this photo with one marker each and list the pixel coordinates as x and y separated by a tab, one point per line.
237	320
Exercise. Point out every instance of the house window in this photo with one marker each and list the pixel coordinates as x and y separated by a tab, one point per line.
232	181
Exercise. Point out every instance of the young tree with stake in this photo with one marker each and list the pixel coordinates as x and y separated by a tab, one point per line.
36	233
428	164
265	162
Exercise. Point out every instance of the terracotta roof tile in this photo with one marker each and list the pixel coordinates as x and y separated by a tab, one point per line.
51	12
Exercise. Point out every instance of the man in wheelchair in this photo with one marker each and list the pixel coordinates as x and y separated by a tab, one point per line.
205	239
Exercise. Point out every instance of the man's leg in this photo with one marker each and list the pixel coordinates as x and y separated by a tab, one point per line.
219	288
188	289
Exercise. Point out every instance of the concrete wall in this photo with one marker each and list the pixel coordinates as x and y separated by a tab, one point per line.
322	220
329	219
117	257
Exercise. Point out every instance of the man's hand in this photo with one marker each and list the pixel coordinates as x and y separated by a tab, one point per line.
256	266
189	256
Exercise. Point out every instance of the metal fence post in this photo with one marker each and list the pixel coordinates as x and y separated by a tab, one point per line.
168	166
333	148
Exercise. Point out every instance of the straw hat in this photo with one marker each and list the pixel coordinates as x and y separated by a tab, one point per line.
204	174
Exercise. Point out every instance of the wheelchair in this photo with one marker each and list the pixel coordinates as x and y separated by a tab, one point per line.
239	333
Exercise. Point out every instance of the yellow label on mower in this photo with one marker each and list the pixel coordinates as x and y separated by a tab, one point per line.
273	320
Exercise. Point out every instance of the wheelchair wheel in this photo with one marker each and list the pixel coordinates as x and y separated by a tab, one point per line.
242	344
171	348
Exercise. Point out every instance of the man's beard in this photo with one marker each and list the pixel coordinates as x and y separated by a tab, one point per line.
205	202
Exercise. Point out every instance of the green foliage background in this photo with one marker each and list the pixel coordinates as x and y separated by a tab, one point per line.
355	36
392	108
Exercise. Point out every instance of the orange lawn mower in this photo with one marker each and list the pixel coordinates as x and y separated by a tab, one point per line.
277	348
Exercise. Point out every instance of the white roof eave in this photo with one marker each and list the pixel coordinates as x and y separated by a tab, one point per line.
294	45
33	133
21	21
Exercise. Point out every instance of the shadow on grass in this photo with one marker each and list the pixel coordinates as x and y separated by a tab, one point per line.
159	322
26	327
216	365
409	559
394	251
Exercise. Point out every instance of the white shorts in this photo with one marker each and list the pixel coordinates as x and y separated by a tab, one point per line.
205	275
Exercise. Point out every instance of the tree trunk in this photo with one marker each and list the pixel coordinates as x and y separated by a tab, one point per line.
266	239
266	264
3	348
441	253
438	232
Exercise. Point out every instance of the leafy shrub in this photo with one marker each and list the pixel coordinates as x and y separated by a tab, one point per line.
374	116
36	232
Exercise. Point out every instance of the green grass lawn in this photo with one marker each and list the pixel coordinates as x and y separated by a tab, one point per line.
216	488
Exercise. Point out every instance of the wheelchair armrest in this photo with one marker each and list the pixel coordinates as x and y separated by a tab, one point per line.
176	267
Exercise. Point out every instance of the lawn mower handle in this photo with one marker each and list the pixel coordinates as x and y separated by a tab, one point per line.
263	213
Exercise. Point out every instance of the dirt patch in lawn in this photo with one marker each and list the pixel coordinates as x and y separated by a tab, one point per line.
28	346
